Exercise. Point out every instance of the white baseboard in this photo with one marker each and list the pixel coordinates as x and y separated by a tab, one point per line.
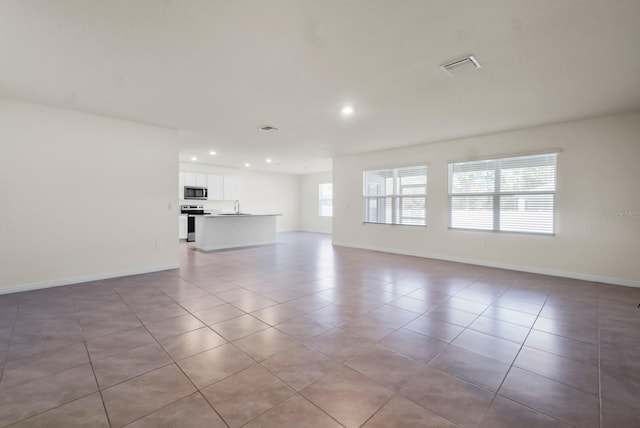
79	279
520	268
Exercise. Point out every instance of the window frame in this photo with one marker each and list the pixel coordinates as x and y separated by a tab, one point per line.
497	194
396	197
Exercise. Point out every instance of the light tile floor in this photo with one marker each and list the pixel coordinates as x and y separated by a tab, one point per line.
303	334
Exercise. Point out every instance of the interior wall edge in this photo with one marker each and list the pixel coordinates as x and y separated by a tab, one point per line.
542	271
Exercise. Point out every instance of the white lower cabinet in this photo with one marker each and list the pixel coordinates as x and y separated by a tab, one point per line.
182	227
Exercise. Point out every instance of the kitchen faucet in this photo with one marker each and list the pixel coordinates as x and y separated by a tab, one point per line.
236	206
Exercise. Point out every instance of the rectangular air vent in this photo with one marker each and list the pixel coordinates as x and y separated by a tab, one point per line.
468	63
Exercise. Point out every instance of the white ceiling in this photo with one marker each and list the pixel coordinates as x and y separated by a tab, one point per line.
219	70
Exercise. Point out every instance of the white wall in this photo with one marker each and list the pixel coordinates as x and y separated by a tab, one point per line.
310	221
83	197
258	193
598	202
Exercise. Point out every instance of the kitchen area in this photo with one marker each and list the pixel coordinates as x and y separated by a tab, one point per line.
197	189
211	214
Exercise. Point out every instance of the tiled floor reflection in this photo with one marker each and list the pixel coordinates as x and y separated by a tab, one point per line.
304	334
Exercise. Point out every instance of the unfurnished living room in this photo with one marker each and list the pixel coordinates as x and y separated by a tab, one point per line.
296	213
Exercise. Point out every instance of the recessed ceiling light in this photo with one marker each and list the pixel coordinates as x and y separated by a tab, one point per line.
268	160
212	153
194	158
247	165
347	110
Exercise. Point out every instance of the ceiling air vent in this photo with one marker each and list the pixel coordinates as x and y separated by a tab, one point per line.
464	64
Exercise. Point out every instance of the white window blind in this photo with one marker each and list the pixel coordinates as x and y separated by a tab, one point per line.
515	194
325	200
396	196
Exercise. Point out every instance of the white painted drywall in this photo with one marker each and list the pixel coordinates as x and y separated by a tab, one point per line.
258	193
310	221
598	202
66	217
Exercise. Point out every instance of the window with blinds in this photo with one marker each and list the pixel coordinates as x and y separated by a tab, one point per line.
515	194
396	196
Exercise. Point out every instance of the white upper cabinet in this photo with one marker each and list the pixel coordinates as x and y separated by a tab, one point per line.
201	180
215	187
181	185
193	179
190	179
230	188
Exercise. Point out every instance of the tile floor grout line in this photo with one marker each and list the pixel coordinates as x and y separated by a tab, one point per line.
428	365
514	361
175	363
555	380
95	377
429	410
537	411
53	374
259	363
199	391
66	402
524	340
512	365
93	371
52	408
298	393
342	364
272	407
173	402
395	393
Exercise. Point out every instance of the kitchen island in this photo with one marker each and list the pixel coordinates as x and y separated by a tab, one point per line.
222	231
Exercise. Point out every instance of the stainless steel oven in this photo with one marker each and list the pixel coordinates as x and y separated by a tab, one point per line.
192	211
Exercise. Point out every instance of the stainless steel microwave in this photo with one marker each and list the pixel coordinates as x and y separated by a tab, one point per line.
195	192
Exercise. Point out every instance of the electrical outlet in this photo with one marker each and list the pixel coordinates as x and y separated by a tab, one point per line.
157	245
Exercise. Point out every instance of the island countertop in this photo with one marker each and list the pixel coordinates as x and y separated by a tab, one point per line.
223	231
239	215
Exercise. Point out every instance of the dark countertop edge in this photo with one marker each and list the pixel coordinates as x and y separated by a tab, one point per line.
236	216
